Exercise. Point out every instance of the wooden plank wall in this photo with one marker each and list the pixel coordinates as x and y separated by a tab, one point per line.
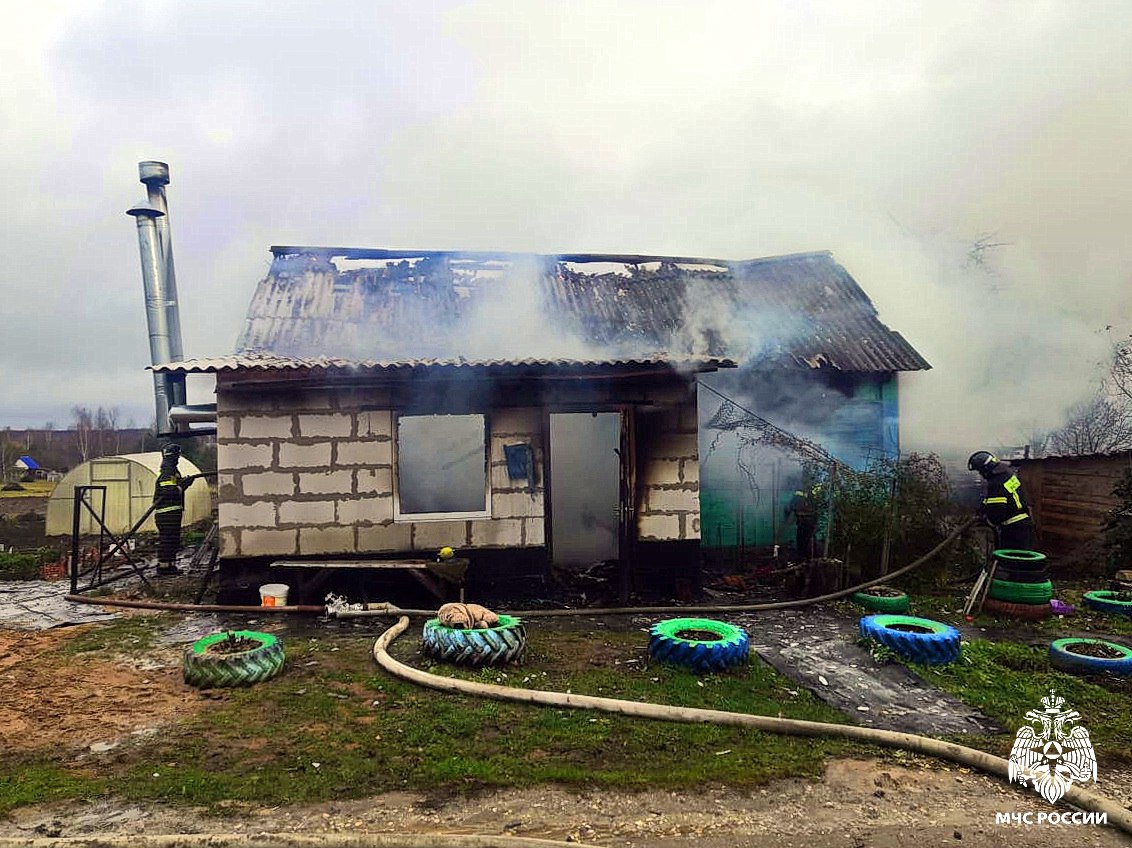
1071	496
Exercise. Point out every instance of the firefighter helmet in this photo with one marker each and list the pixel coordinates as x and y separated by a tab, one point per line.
981	461
171	451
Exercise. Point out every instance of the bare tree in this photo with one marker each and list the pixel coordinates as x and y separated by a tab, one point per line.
1120	374
83	425
1100	425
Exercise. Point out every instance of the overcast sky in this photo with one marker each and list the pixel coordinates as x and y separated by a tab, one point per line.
893	133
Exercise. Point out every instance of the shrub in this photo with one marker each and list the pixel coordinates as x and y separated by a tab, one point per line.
24	565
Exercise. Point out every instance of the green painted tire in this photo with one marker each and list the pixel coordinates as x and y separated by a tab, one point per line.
1021	593
504	643
730	646
1014	557
881	603
207	670
1103	600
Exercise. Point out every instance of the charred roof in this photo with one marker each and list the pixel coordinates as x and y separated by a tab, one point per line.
398	307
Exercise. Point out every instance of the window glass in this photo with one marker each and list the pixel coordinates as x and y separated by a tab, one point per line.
441	464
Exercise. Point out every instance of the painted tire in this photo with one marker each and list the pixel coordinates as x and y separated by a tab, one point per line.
1103	600
1010	575
1013	558
1025	612
731	647
939	646
1021	593
209	670
881	603
499	645
1065	660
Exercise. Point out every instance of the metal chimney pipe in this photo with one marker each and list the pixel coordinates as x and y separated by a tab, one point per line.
155	176
153	273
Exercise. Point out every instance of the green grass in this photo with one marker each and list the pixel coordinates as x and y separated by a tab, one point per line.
1006	679
33	489
333	725
42	782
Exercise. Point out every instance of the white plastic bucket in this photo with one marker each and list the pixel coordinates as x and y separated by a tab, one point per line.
273	594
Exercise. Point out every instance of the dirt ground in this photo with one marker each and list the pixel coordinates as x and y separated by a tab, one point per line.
100	701
858	803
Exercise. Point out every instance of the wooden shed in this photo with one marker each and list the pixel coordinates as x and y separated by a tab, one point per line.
1070	497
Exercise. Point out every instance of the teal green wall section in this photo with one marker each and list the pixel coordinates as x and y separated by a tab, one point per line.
745	485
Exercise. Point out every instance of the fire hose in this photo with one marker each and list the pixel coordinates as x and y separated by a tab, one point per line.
388	609
1118	816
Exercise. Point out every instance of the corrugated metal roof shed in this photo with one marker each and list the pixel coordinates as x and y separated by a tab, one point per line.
401	308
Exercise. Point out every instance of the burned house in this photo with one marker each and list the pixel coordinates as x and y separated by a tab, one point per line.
381	402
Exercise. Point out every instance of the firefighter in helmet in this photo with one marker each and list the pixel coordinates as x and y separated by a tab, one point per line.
169	508
804	507
1004	504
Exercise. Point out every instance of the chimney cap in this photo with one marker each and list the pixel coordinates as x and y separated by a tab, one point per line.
153	172
144	210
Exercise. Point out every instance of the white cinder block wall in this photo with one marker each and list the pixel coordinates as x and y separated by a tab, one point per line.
310	472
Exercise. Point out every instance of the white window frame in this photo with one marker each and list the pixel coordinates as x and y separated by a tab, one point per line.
400	517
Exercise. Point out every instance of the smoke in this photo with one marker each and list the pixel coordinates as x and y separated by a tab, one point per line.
893	134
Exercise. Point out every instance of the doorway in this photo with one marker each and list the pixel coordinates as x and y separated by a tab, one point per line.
585	487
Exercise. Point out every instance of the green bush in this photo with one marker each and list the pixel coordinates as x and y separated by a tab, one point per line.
1118	526
24	565
911	501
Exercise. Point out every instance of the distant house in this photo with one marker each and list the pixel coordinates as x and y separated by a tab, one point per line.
385	402
26	468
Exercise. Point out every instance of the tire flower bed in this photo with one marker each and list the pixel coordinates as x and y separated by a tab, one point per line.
882	599
233	658
918	640
700	644
1090	656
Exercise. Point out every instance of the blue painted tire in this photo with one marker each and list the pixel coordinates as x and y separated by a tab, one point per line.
669	643
504	643
1060	657
1103	600
933	643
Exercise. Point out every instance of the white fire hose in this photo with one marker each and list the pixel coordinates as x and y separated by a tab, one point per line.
1118	816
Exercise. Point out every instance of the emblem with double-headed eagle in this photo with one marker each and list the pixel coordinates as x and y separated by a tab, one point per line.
1050	756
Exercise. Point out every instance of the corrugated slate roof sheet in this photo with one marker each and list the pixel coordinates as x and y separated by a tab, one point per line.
396	308
256	361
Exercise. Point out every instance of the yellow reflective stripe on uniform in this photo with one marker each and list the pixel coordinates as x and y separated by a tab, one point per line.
168	509
167	483
994	500
1016	518
1013	485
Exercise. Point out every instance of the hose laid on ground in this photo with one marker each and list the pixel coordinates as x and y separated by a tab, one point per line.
1118	816
310	609
389	609
287	840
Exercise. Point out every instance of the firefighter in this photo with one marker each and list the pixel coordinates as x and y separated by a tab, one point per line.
169	503
803	506
1004	504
